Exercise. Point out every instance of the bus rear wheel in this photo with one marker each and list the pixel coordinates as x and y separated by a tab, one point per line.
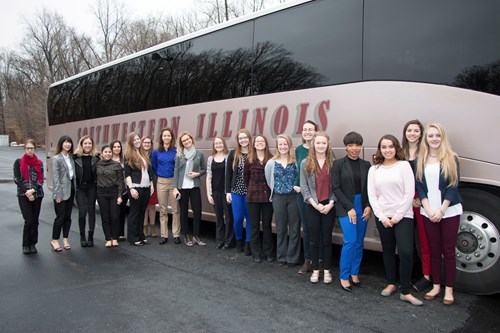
478	243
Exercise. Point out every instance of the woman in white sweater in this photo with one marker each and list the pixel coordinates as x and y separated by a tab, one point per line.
391	186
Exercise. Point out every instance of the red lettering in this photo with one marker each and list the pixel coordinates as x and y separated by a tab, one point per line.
301	119
212	133
226	123
85	131
98	131
280	120
243	119
163	123
125	131
201	122
259	117
106	133
320	114
132	127
175	124
152	126
79	132
141	126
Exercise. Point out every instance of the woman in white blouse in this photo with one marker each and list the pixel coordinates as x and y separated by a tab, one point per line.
437	186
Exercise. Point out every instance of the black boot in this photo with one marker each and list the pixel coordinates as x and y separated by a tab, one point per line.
90	241
248	252
239	246
83	241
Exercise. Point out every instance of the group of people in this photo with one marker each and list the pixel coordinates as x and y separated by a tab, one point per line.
409	186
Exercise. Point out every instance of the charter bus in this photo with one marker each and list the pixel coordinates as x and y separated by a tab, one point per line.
349	65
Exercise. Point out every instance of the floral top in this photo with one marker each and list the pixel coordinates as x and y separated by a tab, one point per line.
284	178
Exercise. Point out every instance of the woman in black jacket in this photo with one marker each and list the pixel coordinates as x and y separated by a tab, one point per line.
349	181
139	180
28	175
86	178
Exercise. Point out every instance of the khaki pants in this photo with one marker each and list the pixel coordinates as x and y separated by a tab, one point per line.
166	197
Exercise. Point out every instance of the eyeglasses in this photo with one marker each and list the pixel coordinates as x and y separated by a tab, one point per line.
29	148
308	130
185	140
147	142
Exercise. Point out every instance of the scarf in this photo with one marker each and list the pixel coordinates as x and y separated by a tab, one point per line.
26	163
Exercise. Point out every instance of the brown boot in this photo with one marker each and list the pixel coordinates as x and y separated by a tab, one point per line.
145	230
305	268
152	229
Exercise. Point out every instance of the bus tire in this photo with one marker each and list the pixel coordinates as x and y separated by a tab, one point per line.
478	243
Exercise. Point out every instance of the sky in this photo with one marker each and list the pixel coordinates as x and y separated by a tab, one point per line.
76	13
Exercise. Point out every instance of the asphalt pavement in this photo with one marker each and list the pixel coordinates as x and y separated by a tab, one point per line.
174	288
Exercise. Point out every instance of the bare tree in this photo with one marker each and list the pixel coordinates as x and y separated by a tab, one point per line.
112	17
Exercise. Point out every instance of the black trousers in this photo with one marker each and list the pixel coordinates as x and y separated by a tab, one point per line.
63	216
320	225
30	211
192	195
261	212
224	232
123	214
110	211
85	200
136	215
400	236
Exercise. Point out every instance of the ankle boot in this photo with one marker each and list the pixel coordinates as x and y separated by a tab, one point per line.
83	241
145	230
239	246
248	252
152	229
90	240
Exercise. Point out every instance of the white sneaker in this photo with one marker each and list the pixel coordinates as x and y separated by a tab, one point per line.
327	276
315	276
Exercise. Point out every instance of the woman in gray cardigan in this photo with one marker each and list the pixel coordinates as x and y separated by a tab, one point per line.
63	175
316	188
189	167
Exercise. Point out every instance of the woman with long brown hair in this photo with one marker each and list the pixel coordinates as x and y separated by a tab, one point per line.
437	185
139	180
163	163
63	193
236	190
259	205
28	176
150	214
117	156
391	186
412	138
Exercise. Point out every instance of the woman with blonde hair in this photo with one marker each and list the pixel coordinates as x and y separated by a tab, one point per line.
281	172
316	187
437	185
236	190
139	180
86	186
189	168
216	194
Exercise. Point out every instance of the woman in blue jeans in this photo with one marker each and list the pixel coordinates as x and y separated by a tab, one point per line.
349	181
236	190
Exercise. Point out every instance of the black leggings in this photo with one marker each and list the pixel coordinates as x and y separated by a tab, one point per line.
400	236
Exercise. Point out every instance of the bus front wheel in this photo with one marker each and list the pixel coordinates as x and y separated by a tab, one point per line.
478	243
